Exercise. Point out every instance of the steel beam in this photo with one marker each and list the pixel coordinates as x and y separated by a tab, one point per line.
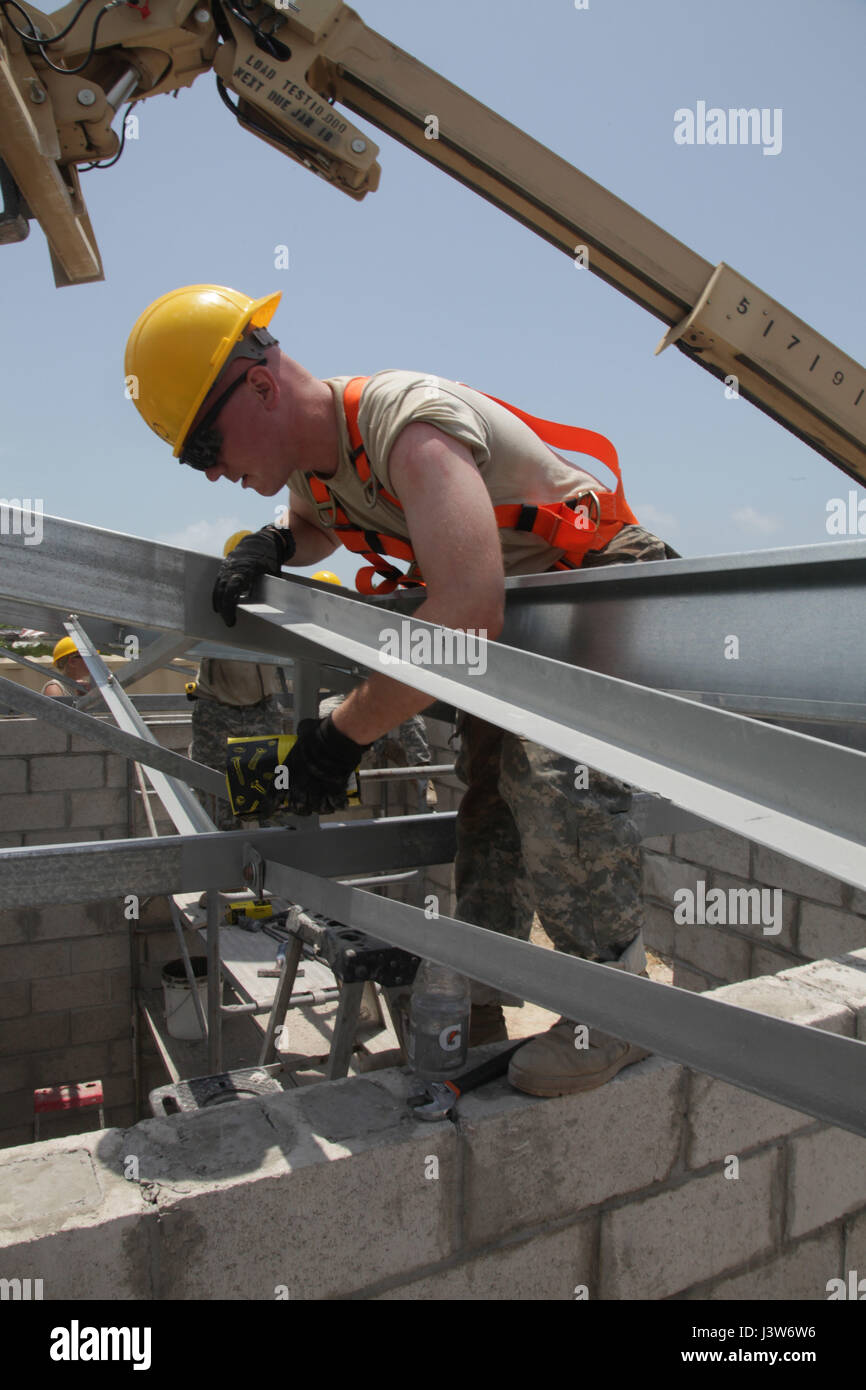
797	615
795	794
100	869
813	1071
182	807
796	612
158	653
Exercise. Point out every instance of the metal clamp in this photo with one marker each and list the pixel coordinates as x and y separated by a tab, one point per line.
254	870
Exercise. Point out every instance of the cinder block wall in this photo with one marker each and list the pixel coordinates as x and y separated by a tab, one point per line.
820	915
662	1184
65	972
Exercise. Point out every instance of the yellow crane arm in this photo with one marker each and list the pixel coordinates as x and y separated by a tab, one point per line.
289	65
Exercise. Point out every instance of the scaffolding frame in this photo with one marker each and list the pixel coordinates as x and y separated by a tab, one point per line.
704	764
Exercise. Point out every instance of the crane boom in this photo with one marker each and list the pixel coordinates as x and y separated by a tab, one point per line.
289	64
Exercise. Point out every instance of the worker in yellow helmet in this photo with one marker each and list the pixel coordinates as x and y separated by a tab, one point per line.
67	660
326	577
467	489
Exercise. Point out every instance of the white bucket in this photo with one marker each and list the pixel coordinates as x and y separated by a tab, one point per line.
180	1014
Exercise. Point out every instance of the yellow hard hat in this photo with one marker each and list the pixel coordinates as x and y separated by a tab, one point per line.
65	647
233	540
178	348
326	576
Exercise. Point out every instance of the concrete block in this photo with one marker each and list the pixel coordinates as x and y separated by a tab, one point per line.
857	900
551	1266
713	951
15	1073
723	1120
59	837
13	777
119	985
16	1108
827	1178
69	1218
98	808
659	844
660	1245
23	737
766	961
93	1025
176	734
528	1160
771	867
837	982
69	773
88	1062
69	992
801	1272
34	1033
14	999
37	811
716	848
684	978
244	1196
658	929
115	832
855	1246
117	771
13	1138
99	952
782	999
61	922
14	926
756	930
662	877
11	841
825	931
121	1056
33	962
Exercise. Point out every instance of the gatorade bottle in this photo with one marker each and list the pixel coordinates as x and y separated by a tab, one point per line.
438	1022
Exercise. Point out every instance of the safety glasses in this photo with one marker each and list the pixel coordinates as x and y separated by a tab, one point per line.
201	449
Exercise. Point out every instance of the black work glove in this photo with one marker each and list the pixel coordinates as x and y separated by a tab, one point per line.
319	766
264	552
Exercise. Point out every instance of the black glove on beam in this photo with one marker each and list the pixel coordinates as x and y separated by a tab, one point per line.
264	552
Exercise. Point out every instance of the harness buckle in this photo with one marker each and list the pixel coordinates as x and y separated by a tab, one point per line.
594	520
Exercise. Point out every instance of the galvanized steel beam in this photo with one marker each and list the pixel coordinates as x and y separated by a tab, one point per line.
798	795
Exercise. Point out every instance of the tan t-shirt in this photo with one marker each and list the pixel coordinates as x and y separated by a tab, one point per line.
236	682
513	462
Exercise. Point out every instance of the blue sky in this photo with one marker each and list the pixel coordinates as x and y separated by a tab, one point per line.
424	274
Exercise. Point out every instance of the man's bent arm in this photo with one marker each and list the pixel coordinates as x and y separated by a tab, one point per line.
312	543
456	543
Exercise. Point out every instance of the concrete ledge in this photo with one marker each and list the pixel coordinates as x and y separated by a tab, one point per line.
336	1191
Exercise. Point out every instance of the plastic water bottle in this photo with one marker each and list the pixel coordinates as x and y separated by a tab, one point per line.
438	1022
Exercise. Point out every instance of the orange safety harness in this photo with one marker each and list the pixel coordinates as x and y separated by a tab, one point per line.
568	526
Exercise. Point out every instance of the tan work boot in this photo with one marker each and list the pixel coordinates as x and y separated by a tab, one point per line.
487	1025
551	1065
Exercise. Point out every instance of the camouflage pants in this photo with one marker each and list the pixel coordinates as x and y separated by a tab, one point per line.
212	724
531	838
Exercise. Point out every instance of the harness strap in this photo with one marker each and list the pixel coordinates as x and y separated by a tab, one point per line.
569	526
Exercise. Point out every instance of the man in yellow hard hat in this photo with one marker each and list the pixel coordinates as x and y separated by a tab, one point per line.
67	659
468	490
